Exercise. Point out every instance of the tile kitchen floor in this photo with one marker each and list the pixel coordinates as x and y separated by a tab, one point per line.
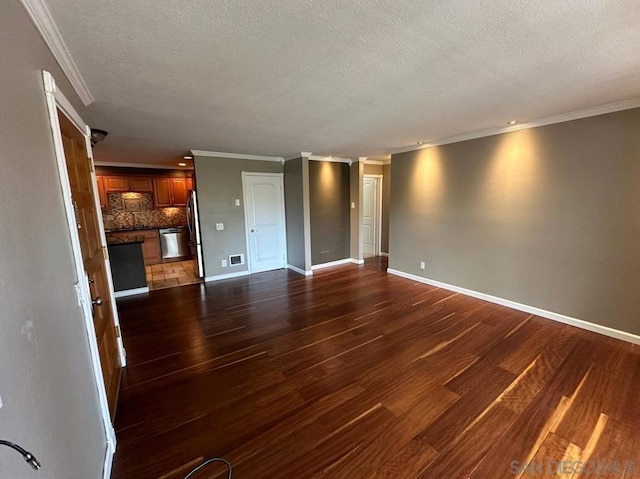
168	275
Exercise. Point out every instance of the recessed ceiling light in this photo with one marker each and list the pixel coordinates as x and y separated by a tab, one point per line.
188	157
182	164
421	143
512	122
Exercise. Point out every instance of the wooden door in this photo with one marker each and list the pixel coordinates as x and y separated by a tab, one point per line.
264	213
162	192
179	191
93	256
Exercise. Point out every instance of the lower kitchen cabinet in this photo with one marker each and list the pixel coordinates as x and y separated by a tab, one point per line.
151	246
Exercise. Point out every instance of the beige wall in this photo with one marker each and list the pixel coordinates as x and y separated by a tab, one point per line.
385	172
219	183
548	217
329	195
46	381
386	198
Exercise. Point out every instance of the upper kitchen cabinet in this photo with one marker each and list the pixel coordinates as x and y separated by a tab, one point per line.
170	191
102	193
123	184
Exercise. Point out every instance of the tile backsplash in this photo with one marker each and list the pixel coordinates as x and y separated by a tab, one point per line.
134	210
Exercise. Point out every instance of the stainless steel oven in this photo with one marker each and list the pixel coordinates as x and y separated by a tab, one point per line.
174	242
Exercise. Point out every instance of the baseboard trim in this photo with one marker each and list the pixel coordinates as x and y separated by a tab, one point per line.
299	270
356	261
578	323
220	277
330	264
386	255
130	292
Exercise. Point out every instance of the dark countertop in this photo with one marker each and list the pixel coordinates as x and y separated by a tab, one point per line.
121	230
130	239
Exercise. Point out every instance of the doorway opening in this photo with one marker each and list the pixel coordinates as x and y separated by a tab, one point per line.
372	215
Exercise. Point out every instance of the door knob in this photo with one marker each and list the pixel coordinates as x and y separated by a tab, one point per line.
97	301
253	231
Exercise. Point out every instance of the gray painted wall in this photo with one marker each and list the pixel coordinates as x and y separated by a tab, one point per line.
329	195
296	197
46	382
547	217
219	183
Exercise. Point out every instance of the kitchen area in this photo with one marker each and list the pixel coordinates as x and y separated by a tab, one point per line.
151	226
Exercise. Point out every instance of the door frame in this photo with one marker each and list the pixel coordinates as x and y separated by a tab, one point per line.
246	216
378	219
57	102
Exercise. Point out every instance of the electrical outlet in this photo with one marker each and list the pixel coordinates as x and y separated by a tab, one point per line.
219	226
224	263
422	265
353	205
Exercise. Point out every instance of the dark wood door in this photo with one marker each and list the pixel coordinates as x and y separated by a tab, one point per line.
93	256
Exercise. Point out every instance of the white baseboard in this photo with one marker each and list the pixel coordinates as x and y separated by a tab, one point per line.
356	261
219	277
384	254
299	271
578	323
131	292
330	264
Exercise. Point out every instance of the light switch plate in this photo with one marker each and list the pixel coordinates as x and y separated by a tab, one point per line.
353	205
219	226
0	402
237	202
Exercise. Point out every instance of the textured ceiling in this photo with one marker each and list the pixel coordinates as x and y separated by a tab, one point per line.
347	78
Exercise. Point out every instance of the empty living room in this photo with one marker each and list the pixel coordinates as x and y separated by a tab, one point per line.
335	239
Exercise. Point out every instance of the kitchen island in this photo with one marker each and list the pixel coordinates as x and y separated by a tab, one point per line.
127	264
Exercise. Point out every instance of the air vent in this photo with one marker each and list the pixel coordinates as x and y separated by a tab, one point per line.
236	259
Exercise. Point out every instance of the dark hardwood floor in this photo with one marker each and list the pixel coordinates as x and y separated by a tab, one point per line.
356	374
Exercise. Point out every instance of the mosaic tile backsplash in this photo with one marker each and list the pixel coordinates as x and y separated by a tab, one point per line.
136	210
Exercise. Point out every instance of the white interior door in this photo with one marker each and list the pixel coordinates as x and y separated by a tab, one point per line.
370	215
264	220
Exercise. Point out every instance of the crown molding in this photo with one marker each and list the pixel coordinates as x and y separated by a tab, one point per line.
549	120
43	21
237	156
141	165
300	154
333	159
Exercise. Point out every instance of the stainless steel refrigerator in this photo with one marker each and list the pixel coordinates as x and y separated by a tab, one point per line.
193	223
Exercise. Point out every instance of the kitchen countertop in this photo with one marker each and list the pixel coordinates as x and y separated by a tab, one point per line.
129	239
122	230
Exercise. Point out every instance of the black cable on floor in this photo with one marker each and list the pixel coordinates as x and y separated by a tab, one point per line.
30	458
211	461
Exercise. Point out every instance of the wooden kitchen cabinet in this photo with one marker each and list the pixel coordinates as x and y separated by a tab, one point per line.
170	191
122	184
150	248
116	183
179	191
189	184
102	193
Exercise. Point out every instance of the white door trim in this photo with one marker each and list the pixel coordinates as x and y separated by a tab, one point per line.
378	219
246	216
57	101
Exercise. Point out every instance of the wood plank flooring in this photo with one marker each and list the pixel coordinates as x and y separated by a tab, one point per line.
356	374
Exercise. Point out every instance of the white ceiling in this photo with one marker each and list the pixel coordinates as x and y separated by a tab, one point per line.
347	78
